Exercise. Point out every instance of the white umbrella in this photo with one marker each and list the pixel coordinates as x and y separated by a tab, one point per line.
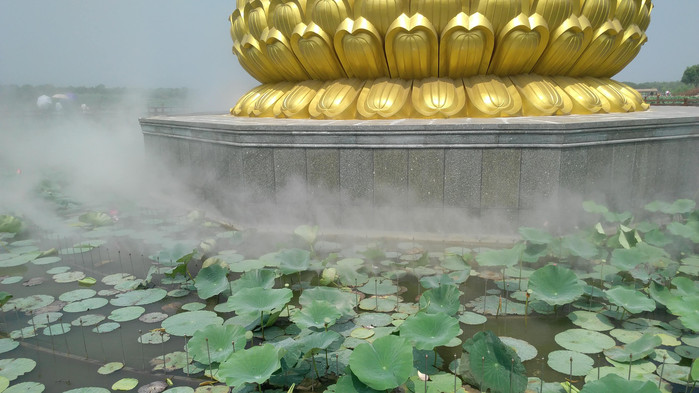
44	102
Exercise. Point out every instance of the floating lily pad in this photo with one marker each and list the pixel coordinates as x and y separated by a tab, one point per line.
17	260
68	277
46	260
126	313
584	341
178	292
374	319
57	329
687	351
318	314
561	361
139	297
676	374
45	318
110	367
635	350
86	305
154	337
125	384
187	323
90	389
15	367
378	286
344	301
626	336
524	350
11	280
25	387
106	327
362	333
58	270
194	306
117	278
687	308
633	301
78	294
471	318
88	320
443	299
615	383
8	344
215	343
591	321
29	303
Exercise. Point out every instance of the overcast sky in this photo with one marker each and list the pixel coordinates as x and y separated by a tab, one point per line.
186	43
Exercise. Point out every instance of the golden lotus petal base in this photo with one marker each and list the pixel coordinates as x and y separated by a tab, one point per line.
476	96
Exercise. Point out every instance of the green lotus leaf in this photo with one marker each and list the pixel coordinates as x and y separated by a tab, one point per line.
210	281
187	323
687	308
14	367
535	235
139	297
496	305
68	277
344	301
8	344
384	364
173	361
110	367
378	287
56	329
684	286
10	224
427	331
375	319
86	305
591	321
91	389
457	277
318	314
170	256
193	306
154	337
254	365
25	387
311	343
351	384
442	299
293	260
4	297
628	259
565	361
490	364
180	389
97	219
78	294
88	320
555	285
45	318
579	246
87	281
362	333
106	327
455	262
126	313
17	260
471	318
222	340
29	303
258	278
125	384
617	384
584	341
348	271
256	300
4	383
635	350
524	350
507	257
117	278
687	351
630	299
307	233
11	280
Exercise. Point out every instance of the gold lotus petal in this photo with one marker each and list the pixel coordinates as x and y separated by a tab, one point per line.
279	53
598	12
499	12
438	12
519	45
336	99
315	51
541	97
295	103
328	14
566	44
631	94
643	18
439	97
491	96
249	64
466	46
627	11
264	105
257	59
245	104
412	48
286	14
255	13
359	46
631	43
617	99
384	97
604	41
555	12
585	98
238	26
381	13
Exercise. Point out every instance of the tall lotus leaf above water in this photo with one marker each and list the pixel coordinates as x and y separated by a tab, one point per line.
444	299
635	350
256	300
631	300
491	364
187	323
258	278
211	280
680	206
318	314
254	365
344	301
307	232
690	230
687	308
10	224
97	219
535	235
293	260
614	383
508	257
221	342
427	331
628	259
384	364
579	246
555	285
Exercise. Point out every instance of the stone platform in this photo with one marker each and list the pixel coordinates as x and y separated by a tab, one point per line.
433	175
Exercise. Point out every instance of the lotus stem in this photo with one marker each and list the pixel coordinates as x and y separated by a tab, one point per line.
630	361
526	305
186	354
426	377
337	364
570	376
327	364
662	368
315	368
119	255
497	312
262	324
541	376
208	352
512	371
259	387
143	358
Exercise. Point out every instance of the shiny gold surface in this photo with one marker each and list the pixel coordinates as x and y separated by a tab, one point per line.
375	59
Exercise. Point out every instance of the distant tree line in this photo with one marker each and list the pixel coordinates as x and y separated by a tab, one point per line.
676	88
97	98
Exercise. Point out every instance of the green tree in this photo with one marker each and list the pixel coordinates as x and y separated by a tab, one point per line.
691	75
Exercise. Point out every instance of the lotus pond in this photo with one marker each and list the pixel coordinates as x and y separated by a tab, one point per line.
152	301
